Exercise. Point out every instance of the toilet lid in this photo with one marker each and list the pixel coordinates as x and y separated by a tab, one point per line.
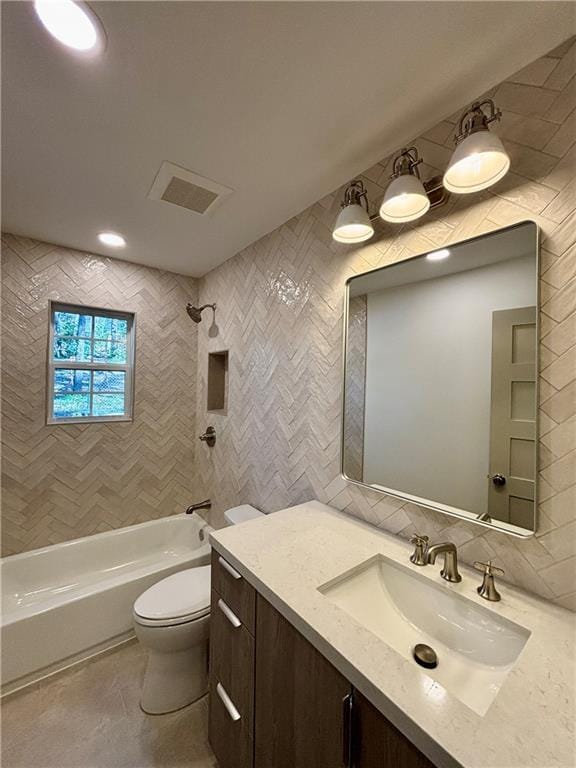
183	594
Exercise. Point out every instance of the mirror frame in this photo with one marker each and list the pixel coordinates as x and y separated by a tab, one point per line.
437	506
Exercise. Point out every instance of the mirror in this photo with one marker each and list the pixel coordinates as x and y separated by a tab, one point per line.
440	379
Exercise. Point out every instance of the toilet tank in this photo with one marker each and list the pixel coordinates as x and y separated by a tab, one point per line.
241	514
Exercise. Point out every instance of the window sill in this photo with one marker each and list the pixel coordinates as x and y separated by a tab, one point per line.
88	420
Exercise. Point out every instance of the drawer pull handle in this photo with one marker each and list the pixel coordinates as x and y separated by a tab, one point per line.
347	706
227	701
229	613
232	571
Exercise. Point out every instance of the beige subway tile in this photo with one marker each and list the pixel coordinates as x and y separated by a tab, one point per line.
525	99
563	105
562	336
441	133
535	73
562	270
562	303
561	438
561	405
563	172
563	48
561	75
562	473
561	542
560	371
530	163
560	506
564	138
562	236
528	194
529	131
562	204
559	575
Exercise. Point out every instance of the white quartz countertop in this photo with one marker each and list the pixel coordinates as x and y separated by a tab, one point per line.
287	555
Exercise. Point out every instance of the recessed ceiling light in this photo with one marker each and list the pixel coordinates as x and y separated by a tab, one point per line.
112	239
438	255
72	23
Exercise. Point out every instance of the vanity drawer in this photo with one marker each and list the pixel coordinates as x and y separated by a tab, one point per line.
232	657
230	739
234	590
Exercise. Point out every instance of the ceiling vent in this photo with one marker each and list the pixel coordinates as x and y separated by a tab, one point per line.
187	190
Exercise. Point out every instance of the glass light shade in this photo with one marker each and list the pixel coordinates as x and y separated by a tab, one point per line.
479	161
404	200
353	225
72	24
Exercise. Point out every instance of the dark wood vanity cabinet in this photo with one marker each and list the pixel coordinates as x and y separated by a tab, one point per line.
299	699
232	657
276	702
377	743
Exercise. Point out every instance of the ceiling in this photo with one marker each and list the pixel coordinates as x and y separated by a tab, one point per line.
281	102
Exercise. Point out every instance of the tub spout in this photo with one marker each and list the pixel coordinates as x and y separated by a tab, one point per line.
206	504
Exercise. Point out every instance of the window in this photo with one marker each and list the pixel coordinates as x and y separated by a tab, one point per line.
90	364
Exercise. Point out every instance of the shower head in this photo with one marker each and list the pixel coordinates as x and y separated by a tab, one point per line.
196	312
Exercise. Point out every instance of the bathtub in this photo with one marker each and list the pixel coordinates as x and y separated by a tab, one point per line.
67	602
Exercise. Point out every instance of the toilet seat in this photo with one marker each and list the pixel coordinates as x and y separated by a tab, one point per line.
177	599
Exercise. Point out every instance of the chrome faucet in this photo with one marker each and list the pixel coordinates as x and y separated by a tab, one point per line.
450	570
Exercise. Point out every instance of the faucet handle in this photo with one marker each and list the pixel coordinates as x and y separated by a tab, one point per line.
488	569
418	557
487	589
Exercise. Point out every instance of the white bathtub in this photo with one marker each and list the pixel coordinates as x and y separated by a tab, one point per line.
67	602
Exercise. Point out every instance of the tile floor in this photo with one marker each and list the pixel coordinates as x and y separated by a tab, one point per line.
90	718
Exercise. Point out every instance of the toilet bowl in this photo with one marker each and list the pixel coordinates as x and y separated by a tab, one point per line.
171	619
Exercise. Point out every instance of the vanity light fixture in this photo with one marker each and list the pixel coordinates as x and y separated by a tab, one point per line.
479	160
72	23
405	198
112	239
353	224
443	253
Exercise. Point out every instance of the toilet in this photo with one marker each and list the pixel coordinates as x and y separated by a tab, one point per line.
171	619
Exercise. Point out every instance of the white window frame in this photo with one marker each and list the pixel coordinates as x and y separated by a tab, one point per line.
127	367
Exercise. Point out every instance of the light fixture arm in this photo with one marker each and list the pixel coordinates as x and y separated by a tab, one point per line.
355	194
475	119
406	162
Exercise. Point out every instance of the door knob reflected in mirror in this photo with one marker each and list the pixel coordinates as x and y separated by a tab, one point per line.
498	480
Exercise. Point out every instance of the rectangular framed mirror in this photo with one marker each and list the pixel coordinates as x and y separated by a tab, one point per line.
441	379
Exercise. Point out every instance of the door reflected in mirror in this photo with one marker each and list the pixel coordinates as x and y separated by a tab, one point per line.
440	384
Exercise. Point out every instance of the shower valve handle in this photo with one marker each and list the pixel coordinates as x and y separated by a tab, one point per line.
209	437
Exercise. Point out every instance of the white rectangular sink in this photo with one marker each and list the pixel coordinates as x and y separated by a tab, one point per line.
475	647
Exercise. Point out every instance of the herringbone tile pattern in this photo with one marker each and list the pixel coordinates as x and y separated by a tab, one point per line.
62	482
353	442
280	315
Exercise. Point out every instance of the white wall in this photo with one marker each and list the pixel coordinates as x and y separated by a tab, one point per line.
428	368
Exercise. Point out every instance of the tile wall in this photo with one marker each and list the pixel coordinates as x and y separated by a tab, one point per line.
280	315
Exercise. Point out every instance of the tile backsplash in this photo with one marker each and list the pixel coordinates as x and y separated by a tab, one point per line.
65	481
280	304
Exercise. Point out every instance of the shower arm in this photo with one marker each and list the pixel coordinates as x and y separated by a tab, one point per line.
206	306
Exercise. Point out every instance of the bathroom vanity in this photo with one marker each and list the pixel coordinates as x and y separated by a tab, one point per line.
276	701
308	665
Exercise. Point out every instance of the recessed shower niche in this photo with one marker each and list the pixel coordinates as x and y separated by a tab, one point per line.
217	382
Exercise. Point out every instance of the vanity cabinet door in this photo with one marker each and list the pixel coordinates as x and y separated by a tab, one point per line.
376	743
299	699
